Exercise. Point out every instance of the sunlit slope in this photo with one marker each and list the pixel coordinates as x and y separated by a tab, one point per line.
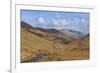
30	43
36	41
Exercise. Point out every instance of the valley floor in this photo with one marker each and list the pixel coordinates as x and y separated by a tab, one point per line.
75	50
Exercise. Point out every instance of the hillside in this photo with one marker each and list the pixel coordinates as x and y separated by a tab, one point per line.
38	44
73	33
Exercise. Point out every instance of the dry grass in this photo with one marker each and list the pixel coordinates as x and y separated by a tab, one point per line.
31	45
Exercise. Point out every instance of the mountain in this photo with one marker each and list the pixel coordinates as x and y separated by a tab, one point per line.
76	34
26	25
87	35
49	34
53	44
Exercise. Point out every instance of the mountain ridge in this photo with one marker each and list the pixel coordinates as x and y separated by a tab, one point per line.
73	32
50	34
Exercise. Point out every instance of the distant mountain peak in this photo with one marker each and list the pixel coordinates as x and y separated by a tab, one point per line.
74	32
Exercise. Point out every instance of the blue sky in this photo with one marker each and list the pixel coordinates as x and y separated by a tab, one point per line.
59	20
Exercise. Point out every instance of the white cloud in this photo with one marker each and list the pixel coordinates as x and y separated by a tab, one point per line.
63	22
82	20
55	22
60	22
41	20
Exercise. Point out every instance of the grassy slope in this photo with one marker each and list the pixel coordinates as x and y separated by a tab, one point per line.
31	42
32	45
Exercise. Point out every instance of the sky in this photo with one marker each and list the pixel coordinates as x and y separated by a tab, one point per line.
78	21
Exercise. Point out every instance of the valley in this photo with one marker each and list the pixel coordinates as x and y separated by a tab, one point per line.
44	45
